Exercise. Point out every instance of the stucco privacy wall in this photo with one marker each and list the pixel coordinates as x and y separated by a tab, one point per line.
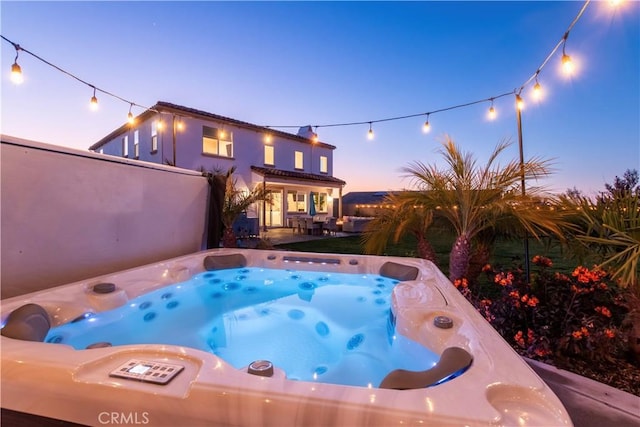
67	215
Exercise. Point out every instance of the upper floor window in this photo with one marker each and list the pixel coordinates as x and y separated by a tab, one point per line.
125	146
269	156
324	165
154	136
299	162
136	144
217	141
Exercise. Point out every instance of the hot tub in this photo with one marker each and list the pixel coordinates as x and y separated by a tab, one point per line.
129	384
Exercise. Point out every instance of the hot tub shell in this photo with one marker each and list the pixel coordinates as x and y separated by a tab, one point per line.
60	382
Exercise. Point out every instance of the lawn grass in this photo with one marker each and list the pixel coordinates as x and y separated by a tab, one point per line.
506	253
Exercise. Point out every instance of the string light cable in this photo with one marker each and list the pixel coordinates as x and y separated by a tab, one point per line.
16	69
516	91
95	88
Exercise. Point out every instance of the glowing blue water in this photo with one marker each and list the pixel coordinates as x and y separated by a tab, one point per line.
326	327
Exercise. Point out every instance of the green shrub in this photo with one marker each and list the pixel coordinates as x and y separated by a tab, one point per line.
554	315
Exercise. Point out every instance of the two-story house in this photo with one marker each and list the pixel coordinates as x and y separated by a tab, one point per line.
296	170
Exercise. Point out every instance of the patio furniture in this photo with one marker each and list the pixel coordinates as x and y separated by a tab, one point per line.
312	227
330	226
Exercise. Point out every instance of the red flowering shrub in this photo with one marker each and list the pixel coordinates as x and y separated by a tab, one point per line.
554	315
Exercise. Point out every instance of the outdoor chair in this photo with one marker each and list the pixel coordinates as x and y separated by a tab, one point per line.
330	226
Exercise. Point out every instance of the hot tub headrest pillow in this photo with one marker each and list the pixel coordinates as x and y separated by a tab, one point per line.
221	262
399	272
30	322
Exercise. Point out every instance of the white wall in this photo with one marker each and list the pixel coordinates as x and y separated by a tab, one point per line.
68	215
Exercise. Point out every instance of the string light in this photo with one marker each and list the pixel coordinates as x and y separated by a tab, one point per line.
315	135
492	111
94	101
426	127
16	71
130	118
537	91
519	102
567	65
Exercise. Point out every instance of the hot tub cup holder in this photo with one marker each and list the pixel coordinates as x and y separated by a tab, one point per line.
106	296
261	368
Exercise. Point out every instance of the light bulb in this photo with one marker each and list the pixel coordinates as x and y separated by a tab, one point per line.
426	127
537	91
267	138
492	113
130	118
180	125
370	134
16	74
567	64
160	125
519	102
222	134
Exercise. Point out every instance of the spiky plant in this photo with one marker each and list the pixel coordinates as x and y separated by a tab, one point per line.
401	217
237	201
479	200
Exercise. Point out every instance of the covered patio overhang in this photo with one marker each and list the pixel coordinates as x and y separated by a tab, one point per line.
278	178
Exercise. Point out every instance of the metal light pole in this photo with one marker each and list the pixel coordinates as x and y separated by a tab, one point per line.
173	125
522	182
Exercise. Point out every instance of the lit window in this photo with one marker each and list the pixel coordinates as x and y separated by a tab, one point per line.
125	146
269	157
296	201
216	142
324	165
320	200
136	144
299	164
154	136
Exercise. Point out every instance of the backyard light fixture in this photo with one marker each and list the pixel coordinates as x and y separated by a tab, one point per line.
370	134
519	102
492	111
537	91
94	101
16	71
130	118
567	64
426	127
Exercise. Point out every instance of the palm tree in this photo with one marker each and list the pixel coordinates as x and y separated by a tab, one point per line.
478	202
236	201
400	218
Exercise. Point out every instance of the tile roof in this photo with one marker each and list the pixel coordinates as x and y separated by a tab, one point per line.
162	106
279	173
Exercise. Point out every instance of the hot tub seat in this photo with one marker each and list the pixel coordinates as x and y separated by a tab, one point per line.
29	322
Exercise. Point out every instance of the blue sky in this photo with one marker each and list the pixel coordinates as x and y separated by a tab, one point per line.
315	63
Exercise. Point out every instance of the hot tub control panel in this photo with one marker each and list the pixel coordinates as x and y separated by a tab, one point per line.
147	371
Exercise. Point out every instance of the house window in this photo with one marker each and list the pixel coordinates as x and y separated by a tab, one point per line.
136	144
154	136
299	162
217	142
269	157
324	168
320	200
125	146
296	201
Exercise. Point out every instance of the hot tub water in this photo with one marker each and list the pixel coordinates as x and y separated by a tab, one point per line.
315	326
